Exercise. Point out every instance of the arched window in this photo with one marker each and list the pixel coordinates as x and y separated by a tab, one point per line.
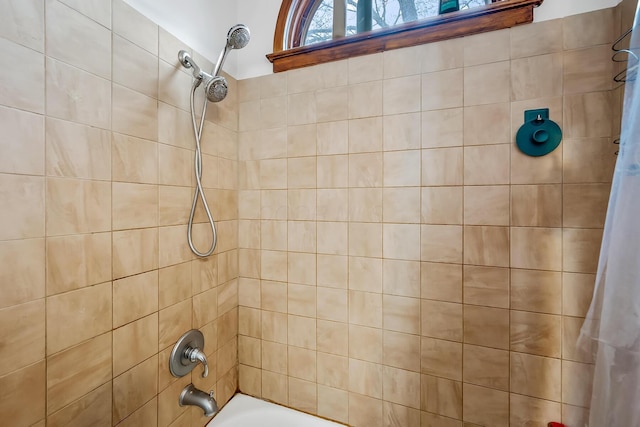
310	32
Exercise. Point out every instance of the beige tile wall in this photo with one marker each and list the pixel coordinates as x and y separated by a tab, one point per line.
401	262
96	178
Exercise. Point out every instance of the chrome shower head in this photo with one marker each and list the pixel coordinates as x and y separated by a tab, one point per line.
216	88
238	36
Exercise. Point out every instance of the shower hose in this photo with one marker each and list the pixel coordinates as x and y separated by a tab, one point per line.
199	192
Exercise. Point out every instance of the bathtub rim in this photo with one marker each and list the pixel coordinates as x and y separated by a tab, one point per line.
242	398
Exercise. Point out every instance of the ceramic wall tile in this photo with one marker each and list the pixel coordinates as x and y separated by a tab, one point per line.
443	55
535	333
441	281
172	82
536	77
365	100
22	215
585	205
487	47
579	30
23	22
75	206
77	151
442	89
536	205
536	290
486	165
441	320
86	312
442	128
77	40
547	257
441	358
131	253
94	408
22	325
483	84
25	281
134	297
486	367
401	95
485	406
365	68
98	10
441	396
24	394
23	147
545	369
401	62
434	171
132	25
133	113
365	343
401	131
75	372
486	245
77	261
134	388
169	45
22	87
134	343
476	118
486	205
548	35
587	70
486	326
73	94
134	206
525	409
134	159
488	286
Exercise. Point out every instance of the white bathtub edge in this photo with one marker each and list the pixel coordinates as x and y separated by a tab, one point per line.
247	411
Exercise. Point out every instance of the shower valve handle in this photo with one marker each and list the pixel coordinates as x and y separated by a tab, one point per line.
197	355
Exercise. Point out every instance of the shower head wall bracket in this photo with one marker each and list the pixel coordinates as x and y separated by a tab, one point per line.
187	62
185	59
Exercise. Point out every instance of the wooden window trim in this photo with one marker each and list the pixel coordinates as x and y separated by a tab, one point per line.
293	16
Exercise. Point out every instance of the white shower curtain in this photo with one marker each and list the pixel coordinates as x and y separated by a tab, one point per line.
611	330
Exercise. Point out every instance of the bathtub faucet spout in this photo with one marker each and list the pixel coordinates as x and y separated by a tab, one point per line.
205	401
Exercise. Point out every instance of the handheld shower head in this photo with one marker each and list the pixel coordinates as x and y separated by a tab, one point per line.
237	38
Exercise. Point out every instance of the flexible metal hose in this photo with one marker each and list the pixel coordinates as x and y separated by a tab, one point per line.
199	192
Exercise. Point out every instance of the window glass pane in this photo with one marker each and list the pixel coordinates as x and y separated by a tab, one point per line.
386	13
321	26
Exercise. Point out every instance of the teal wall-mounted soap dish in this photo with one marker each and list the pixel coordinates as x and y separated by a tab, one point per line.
538	135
